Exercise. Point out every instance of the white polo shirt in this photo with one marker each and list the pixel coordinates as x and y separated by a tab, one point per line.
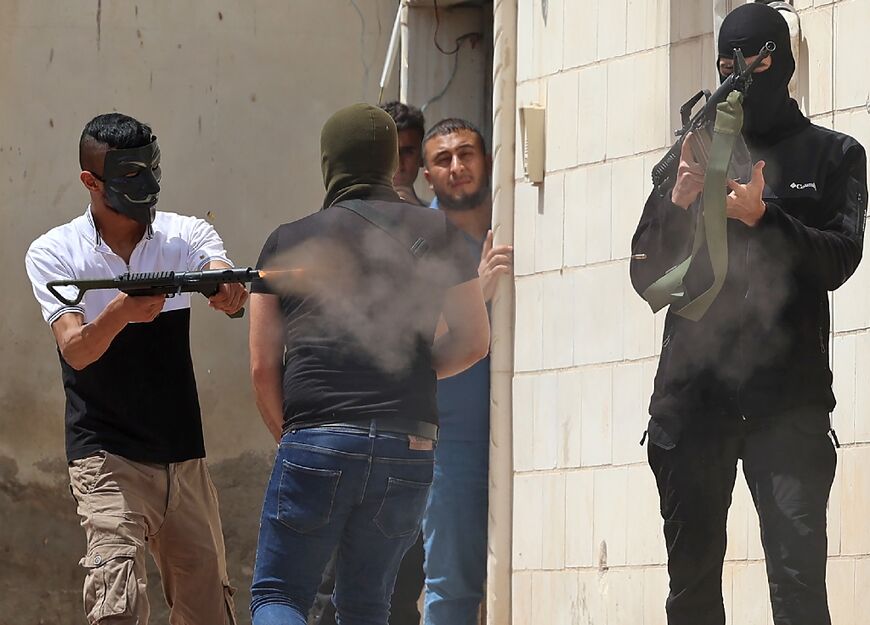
139	399
75	251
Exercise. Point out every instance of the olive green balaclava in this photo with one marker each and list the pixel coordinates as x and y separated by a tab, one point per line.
359	153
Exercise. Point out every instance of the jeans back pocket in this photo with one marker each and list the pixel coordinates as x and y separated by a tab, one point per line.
306	496
402	508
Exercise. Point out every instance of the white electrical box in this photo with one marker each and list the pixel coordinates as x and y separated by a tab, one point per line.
532	132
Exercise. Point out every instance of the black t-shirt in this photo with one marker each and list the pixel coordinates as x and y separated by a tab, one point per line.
138	400
360	310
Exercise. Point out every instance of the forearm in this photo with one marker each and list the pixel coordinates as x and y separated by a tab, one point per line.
83	345
467	337
828	257
829	253
452	354
662	240
269	396
267	356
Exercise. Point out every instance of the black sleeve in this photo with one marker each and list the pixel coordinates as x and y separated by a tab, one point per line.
270	247
461	262
662	240
830	253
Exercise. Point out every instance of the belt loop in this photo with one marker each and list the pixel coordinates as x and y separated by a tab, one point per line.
373	429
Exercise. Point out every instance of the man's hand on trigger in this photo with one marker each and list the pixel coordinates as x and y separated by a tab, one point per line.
690	177
494	262
229	298
745	200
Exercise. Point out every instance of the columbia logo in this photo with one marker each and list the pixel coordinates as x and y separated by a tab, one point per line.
804	185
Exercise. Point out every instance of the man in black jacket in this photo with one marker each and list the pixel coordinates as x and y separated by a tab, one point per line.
751	379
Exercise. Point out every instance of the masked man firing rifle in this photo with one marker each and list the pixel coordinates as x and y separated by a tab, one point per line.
750	379
133	428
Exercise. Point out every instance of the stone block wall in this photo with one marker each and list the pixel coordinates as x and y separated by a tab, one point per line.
587	532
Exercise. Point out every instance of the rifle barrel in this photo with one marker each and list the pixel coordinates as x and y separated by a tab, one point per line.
734	81
665	169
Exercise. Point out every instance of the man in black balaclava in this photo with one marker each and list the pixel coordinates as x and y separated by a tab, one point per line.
769	113
344	370
751	380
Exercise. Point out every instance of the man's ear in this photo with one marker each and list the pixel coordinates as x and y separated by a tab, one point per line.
489	164
90	181
427	176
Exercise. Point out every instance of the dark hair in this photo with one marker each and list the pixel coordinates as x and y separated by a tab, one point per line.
454	124
114	130
406	117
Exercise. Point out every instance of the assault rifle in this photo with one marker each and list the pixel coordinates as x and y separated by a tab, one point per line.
167	283
665	172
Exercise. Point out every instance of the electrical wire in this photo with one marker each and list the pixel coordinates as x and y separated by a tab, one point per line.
435	36
443	91
472	37
476	36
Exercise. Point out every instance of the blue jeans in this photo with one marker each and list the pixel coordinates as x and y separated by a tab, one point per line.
362	492
454	533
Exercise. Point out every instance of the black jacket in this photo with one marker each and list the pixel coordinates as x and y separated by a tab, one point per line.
761	351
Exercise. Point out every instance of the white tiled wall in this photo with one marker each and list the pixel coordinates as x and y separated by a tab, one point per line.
587	534
550	224
815	76
592	113
612	29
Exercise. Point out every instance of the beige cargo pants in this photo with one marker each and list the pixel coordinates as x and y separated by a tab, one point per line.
172	509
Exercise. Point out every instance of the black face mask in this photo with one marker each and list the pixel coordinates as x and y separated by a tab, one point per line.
132	180
769	112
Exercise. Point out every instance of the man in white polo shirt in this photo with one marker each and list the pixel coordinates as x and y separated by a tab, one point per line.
133	428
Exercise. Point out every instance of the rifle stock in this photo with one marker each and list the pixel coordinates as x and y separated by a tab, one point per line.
167	283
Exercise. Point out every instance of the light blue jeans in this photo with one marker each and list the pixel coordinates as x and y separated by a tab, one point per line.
454	533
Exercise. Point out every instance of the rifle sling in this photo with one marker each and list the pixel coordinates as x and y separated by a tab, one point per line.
416	246
712	224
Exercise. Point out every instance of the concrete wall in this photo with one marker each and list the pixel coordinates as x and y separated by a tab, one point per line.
236	91
587	533
427	71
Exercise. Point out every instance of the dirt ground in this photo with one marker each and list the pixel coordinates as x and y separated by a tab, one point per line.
41	542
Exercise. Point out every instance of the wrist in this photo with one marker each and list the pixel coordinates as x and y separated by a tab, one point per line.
115	314
681	200
757	214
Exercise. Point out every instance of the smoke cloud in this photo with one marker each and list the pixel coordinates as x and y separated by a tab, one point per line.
748	327
370	294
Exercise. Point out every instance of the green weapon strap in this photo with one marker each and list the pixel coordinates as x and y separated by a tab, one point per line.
712	222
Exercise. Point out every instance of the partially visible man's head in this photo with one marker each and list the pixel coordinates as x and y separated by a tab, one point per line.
456	164
120	160
411	128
